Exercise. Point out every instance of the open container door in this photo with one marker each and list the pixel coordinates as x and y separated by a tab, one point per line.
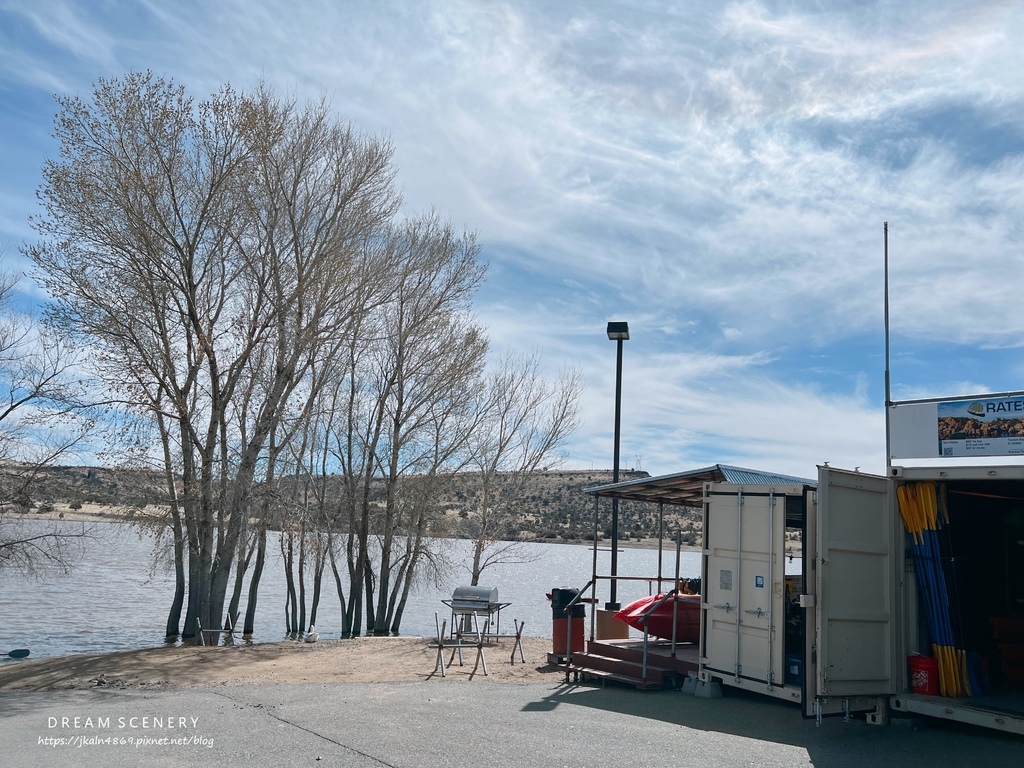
854	643
982	562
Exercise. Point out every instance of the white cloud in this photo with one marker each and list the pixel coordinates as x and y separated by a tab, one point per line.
686	411
717	174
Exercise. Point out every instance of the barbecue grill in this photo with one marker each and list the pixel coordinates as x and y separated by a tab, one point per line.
470	603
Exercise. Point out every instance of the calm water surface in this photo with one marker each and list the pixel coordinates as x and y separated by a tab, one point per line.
114	601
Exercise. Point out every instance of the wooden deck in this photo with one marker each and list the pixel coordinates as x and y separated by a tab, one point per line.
621	661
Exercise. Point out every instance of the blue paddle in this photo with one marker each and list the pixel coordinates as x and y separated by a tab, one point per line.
18	653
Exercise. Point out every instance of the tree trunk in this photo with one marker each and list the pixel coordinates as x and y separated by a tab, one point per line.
224	557
173	627
318	572
174	615
481	539
346	627
261	536
478	548
199	563
292	617
414	549
301	627
371	623
236	592
254	583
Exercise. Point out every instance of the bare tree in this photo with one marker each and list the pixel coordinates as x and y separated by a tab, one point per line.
417	357
525	420
205	250
42	419
237	271
432	351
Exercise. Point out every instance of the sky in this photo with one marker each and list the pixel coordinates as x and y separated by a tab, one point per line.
715	174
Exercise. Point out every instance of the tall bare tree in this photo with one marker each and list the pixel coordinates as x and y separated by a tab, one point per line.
205	249
237	269
414	363
432	351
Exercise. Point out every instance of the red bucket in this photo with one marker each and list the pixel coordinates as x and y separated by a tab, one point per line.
924	674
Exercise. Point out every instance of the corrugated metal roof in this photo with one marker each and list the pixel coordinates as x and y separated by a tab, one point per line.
687	488
740	475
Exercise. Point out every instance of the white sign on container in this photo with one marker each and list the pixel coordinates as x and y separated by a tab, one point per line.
981	426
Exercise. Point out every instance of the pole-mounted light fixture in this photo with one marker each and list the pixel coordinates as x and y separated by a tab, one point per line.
617	332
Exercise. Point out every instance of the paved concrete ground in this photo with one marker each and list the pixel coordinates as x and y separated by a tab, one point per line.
477	723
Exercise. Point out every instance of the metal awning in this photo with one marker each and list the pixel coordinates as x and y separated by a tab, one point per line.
687	488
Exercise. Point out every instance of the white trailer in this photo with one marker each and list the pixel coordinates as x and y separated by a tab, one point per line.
839	641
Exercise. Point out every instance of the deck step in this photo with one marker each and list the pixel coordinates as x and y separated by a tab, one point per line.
634	651
623	662
631	673
619	666
603	677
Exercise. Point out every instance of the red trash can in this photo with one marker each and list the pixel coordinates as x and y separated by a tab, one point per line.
568	626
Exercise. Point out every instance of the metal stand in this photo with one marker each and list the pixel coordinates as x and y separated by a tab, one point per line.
469	634
229	632
214	634
519	642
439	662
479	635
480	660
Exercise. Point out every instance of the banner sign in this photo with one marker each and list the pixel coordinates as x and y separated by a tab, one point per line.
992	426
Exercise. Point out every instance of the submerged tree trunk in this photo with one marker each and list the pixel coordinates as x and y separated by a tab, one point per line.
236	592
319	563
174	615
254	581
346	627
291	609
371	618
414	550
200	559
173	627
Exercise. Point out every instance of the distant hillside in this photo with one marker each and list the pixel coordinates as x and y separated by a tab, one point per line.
28	488
554	508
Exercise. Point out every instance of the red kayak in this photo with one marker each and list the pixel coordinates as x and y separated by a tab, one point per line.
659	623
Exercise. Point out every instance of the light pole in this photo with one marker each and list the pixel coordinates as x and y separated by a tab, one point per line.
617	332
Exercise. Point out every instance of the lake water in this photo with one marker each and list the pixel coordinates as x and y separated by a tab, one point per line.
112	601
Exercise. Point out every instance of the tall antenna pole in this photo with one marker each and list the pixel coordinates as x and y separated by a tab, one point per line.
888	384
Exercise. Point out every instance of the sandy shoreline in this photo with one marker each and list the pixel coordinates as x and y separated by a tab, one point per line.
364	659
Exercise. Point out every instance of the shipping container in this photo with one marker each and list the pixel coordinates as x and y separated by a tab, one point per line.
838	639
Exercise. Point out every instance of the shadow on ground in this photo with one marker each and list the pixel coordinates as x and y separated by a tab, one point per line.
906	743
